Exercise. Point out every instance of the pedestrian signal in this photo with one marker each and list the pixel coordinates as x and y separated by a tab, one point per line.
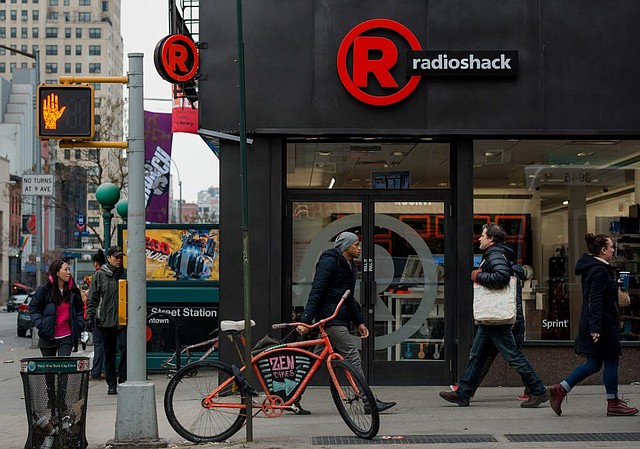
65	111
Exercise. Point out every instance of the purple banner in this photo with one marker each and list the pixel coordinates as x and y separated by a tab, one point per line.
157	165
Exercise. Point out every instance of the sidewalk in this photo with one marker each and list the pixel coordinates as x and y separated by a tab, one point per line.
492	418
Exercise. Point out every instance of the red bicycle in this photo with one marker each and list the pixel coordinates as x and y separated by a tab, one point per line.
204	401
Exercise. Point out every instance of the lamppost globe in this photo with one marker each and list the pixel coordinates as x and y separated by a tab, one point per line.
122	208
107	194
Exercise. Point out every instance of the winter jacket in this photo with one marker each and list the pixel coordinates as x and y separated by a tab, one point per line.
497	268
599	311
334	275
102	302
42	310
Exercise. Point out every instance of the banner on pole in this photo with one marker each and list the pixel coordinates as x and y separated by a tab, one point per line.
157	166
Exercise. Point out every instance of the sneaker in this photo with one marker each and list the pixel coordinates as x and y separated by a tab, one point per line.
556	396
619	407
112	390
298	410
535	400
382	406
452	396
523	397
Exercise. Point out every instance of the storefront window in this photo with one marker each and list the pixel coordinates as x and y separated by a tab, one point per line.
369	164
547	194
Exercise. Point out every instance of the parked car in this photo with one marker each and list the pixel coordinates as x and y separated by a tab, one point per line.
24	319
15	301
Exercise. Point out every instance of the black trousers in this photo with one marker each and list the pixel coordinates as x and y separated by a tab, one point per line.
113	339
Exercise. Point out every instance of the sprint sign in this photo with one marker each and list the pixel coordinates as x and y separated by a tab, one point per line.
369	62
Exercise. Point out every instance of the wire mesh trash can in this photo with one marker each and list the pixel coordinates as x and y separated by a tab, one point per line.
55	394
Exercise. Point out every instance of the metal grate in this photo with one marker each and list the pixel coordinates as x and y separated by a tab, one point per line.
560	437
405	439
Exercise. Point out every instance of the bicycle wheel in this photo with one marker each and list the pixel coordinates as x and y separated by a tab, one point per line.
361	418
183	403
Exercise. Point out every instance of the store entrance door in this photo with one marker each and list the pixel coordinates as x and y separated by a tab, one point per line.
400	283
406	304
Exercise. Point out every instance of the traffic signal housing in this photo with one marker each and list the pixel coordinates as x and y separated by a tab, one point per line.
65	111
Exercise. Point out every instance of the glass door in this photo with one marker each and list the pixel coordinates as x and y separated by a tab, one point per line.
407	292
315	226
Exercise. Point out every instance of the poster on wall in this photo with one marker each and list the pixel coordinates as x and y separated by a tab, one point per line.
189	254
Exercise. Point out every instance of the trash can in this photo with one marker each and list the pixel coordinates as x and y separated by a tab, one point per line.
55	395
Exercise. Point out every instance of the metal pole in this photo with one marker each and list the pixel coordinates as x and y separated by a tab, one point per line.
180	203
39	236
106	218
245	214
136	415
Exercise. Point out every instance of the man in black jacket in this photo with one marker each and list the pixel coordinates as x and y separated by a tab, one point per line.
336	273
495	272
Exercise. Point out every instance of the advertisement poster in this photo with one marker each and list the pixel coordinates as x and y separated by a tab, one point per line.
181	254
157	165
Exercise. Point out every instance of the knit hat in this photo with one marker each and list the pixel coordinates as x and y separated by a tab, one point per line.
345	240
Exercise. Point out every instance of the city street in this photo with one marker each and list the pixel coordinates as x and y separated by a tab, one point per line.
493	419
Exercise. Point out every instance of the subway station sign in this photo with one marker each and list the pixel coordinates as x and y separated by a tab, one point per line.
370	65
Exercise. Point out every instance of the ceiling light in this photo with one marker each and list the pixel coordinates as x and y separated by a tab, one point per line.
331	184
324	153
565	202
585	154
443	184
513	184
311	138
355	180
397	154
426	138
491	153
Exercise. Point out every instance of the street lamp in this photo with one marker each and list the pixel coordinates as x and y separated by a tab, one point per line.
122	208
179	190
107	195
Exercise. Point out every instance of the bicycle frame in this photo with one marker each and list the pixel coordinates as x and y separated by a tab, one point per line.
186	350
275	359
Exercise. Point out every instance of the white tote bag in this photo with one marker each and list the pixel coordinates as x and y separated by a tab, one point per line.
495	306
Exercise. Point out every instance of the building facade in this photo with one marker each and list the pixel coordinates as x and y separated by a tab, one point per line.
414	123
71	38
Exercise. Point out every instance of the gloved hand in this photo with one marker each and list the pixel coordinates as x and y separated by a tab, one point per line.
474	274
88	325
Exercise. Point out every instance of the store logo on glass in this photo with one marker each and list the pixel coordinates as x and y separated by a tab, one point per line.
371	67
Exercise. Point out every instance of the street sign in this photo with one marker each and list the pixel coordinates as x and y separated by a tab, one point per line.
37	185
65	111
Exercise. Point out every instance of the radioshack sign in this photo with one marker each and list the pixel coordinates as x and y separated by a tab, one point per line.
369	63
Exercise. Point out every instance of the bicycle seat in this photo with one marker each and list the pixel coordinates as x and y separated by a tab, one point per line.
238	326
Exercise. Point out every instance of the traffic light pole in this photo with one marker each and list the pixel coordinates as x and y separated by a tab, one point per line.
136	415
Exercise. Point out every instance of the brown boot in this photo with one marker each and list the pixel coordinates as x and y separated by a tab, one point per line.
557	394
618	407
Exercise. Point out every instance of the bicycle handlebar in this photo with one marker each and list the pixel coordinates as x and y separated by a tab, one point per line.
319	323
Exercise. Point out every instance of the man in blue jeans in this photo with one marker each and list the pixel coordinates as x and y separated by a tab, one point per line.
495	272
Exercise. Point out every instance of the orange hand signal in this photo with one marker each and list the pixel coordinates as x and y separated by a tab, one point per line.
51	111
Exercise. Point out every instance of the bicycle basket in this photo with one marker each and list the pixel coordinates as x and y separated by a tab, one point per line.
283	371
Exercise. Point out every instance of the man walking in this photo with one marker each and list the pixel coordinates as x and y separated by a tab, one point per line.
495	272
336	273
103	307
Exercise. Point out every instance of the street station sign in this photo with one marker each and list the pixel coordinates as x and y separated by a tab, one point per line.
37	185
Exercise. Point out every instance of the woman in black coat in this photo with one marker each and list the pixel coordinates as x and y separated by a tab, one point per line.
57	311
598	335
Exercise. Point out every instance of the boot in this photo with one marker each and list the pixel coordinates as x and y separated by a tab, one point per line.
557	394
618	407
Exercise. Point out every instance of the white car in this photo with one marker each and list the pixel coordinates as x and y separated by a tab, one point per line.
15	301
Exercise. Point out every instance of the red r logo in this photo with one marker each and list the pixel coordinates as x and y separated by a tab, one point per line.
380	68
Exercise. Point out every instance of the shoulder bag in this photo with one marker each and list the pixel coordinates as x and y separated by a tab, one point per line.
495	306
